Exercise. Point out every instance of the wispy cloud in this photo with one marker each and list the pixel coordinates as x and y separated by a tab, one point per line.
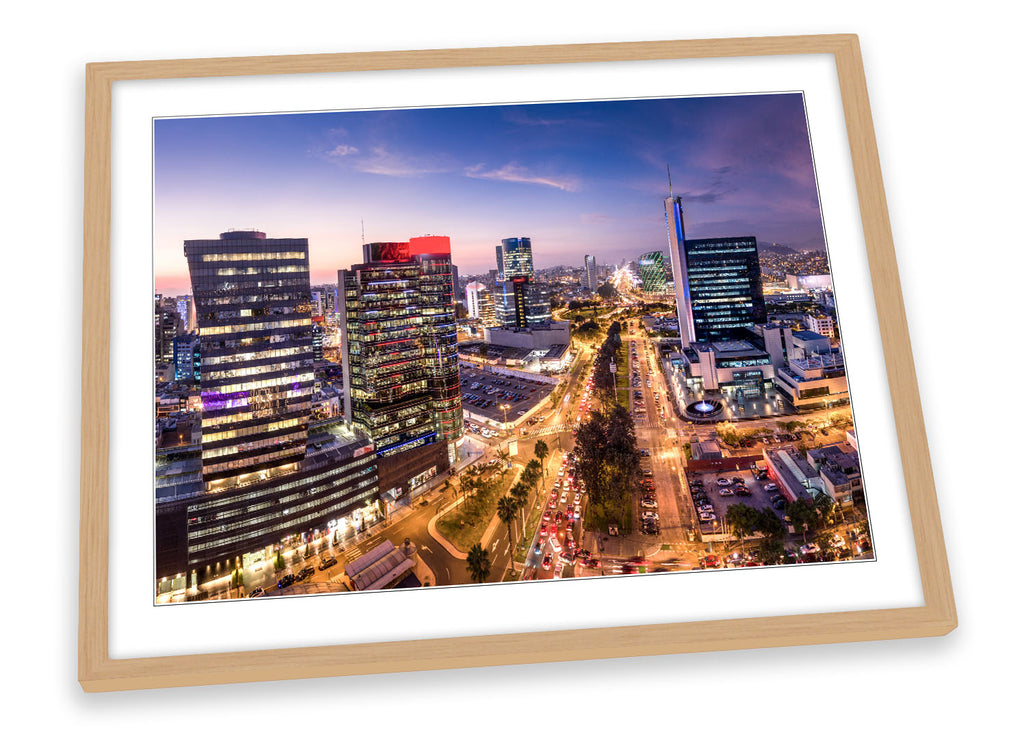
342	149
390	164
513	172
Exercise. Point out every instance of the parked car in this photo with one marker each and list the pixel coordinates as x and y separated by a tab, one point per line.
809	549
327	562
285	581
305	573
256	592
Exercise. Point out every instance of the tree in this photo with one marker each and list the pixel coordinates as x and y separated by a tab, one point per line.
826	508
520	493
769	525
532	473
743	520
541	451
503	457
478	563
802	516
771	551
507	509
607	291
278	561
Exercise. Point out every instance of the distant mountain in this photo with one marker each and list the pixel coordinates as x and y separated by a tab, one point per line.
776	248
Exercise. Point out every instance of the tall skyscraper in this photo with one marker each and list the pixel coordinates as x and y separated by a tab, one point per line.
515	258
652	272
718	281
401	364
252	305
263	475
520	302
590	273
438	278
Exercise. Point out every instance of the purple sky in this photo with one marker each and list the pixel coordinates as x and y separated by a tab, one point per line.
577	178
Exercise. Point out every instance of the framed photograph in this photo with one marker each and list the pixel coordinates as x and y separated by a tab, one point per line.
434	359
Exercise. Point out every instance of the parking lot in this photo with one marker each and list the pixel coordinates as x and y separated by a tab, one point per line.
483	393
719	491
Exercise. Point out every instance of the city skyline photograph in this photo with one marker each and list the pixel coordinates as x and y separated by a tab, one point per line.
575	177
368	377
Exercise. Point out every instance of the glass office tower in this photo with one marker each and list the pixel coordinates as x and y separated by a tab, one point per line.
252	302
652	272
718	281
401	365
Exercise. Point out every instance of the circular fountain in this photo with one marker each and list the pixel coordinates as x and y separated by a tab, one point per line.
704	409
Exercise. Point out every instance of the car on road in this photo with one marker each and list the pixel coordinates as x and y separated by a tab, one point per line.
555	545
592	563
538	546
566	557
710	561
578	498
577	512
809	549
546	563
327	562
256	592
547	515
737	558
564	497
305	573
285	581
649	504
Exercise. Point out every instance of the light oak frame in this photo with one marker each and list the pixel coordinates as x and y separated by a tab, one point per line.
98	672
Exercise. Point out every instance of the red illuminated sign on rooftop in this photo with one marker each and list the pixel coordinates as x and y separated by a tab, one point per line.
440	244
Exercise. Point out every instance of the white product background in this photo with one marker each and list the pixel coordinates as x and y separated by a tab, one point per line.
941	86
889	582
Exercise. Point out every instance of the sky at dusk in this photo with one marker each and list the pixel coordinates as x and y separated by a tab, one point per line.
577	178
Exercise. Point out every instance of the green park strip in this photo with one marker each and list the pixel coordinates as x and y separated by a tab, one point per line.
531	524
466	523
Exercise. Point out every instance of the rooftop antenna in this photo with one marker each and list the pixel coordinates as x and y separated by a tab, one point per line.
669	169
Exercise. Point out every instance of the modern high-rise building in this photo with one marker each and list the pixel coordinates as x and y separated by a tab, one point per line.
438	278
187	359
515	258
187	313
262	474
253	307
520	302
718	282
480	303
397	321
166	326
590	273
652	272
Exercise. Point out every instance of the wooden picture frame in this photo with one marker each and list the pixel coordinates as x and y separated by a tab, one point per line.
99	672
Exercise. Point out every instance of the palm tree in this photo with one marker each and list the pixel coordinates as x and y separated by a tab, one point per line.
503	457
541	451
521	493
478	563
532	472
507	509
